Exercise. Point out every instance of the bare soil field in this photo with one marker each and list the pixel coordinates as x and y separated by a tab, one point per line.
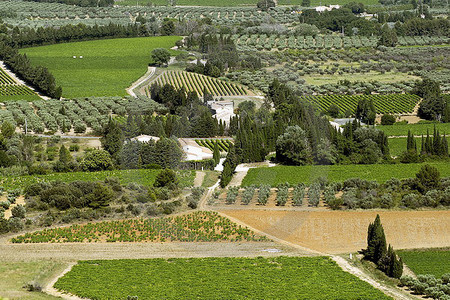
86	251
346	231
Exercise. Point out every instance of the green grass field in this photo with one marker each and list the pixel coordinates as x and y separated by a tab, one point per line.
216	278
398	145
15	274
308	174
416	129
434	261
139	176
107	68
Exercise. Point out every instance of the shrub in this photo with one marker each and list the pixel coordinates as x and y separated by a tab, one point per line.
18	212
387	119
166	178
15	224
97	160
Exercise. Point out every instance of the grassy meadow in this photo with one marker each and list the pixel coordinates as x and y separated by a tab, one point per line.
307	174
427	261
15	274
416	129
107	68
216	278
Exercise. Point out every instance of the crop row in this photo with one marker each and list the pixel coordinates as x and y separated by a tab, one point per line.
200	83
224	145
194	227
281	196
281	42
44	11
76	114
8	87
393	103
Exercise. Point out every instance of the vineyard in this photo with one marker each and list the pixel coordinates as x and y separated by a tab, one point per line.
194	227
199	83
432	261
11	90
76	114
216	278
224	145
384	104
336	173
261	42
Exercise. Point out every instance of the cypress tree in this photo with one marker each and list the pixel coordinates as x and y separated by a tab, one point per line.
436	142
428	144
422	147
216	153
444	146
376	241
397	267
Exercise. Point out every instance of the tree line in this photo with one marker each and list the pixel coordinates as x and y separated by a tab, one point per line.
37	76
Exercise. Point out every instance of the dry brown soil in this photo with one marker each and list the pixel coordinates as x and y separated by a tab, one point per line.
346	231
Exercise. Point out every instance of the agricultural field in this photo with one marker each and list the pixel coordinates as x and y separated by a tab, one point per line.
335	173
107	67
384	104
144	177
346	231
232	278
12	90
224	145
427	261
194	227
76	114
260	42
193	82
416	129
398	145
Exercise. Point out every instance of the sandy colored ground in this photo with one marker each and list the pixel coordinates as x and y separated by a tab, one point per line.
346	231
86	251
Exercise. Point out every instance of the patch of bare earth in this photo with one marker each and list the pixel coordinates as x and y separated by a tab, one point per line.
346	231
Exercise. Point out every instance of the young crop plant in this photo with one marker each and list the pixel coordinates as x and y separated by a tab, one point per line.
247	195
314	194
264	193
298	194
282	194
198	226
232	194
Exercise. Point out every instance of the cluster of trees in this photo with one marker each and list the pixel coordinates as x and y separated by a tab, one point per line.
377	251
433	105
220	51
426	189
93	3
435	145
37	76
207	69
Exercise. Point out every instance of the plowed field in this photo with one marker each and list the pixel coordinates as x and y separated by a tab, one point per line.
346	231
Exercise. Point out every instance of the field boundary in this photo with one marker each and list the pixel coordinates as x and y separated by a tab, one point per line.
50	289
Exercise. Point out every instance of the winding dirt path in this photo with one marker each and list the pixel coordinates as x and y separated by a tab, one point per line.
49	289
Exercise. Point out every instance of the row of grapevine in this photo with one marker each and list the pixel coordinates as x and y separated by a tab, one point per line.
195	227
393	103
224	145
9	87
199	83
